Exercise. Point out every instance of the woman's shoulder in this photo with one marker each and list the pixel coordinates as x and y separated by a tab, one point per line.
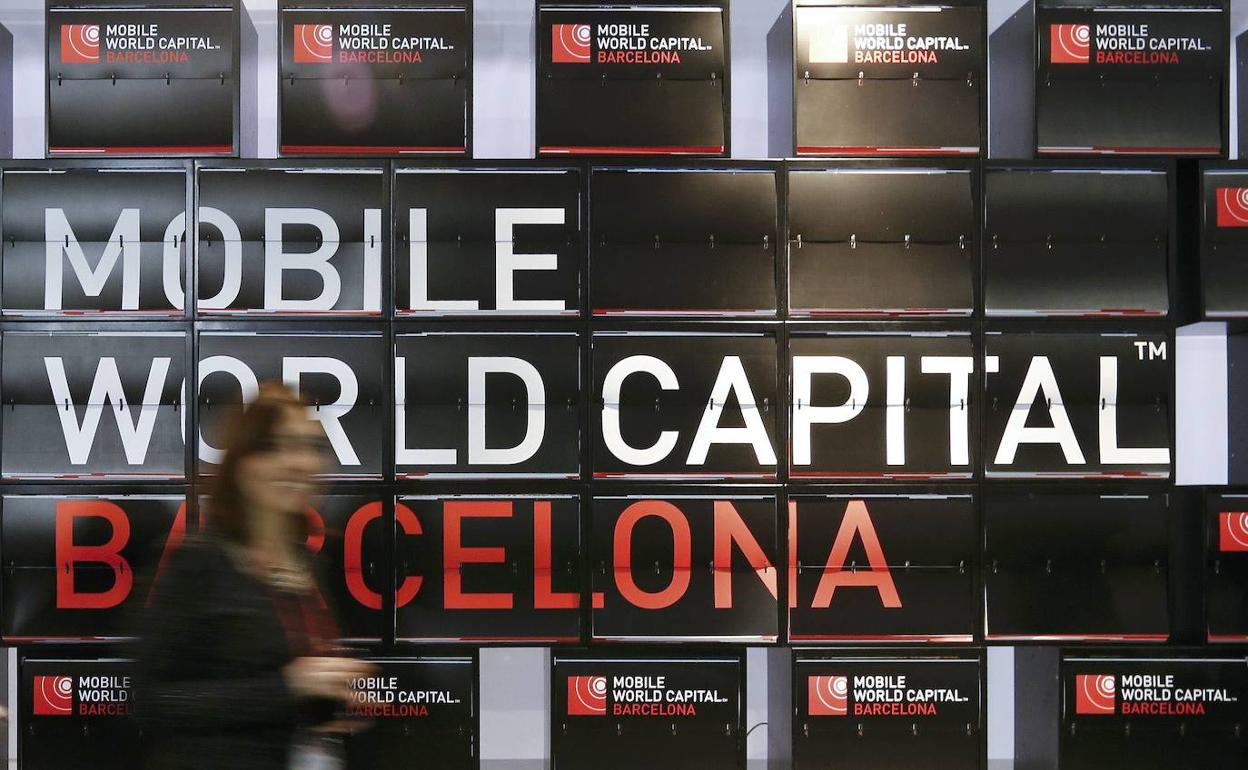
202	552
195	574
202	542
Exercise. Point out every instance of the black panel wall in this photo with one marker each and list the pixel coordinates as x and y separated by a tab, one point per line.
605	406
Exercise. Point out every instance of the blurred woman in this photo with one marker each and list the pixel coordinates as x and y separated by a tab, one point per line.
234	668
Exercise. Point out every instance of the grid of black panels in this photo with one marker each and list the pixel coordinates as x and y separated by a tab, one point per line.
556	391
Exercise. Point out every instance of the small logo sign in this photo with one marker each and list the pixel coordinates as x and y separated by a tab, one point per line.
1095	694
1233	532
830	44
1232	206
54	696
1070	43
828	696
80	44
587	696
569	43
314	43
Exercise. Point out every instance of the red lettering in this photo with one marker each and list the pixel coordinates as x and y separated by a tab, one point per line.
731	529
895	57
353	555
857	522
380	57
104	709
146	57
792	554
894	709
544	597
388	710
654	710
682	554
638	57
1137	57
109	554
314	542
172	544
316	531
455	554
1163	708
411	584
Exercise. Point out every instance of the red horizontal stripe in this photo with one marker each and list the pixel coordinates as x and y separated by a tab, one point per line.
93	313
657	150
1065	475
140	476
820	150
230	311
876	475
349	149
1129	150
1080	637
521	639
484	313
878	313
708	475
34	639
1225	638
169	149
659	310
931	638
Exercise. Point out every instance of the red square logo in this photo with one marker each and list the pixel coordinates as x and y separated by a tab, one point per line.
587	696
80	44
570	43
54	696
1070	43
827	696
1232	206
1233	532
314	43
1095	694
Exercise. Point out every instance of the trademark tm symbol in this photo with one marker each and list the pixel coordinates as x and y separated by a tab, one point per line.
1151	351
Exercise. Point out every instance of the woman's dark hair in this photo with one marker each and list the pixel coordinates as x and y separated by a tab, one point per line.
249	430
